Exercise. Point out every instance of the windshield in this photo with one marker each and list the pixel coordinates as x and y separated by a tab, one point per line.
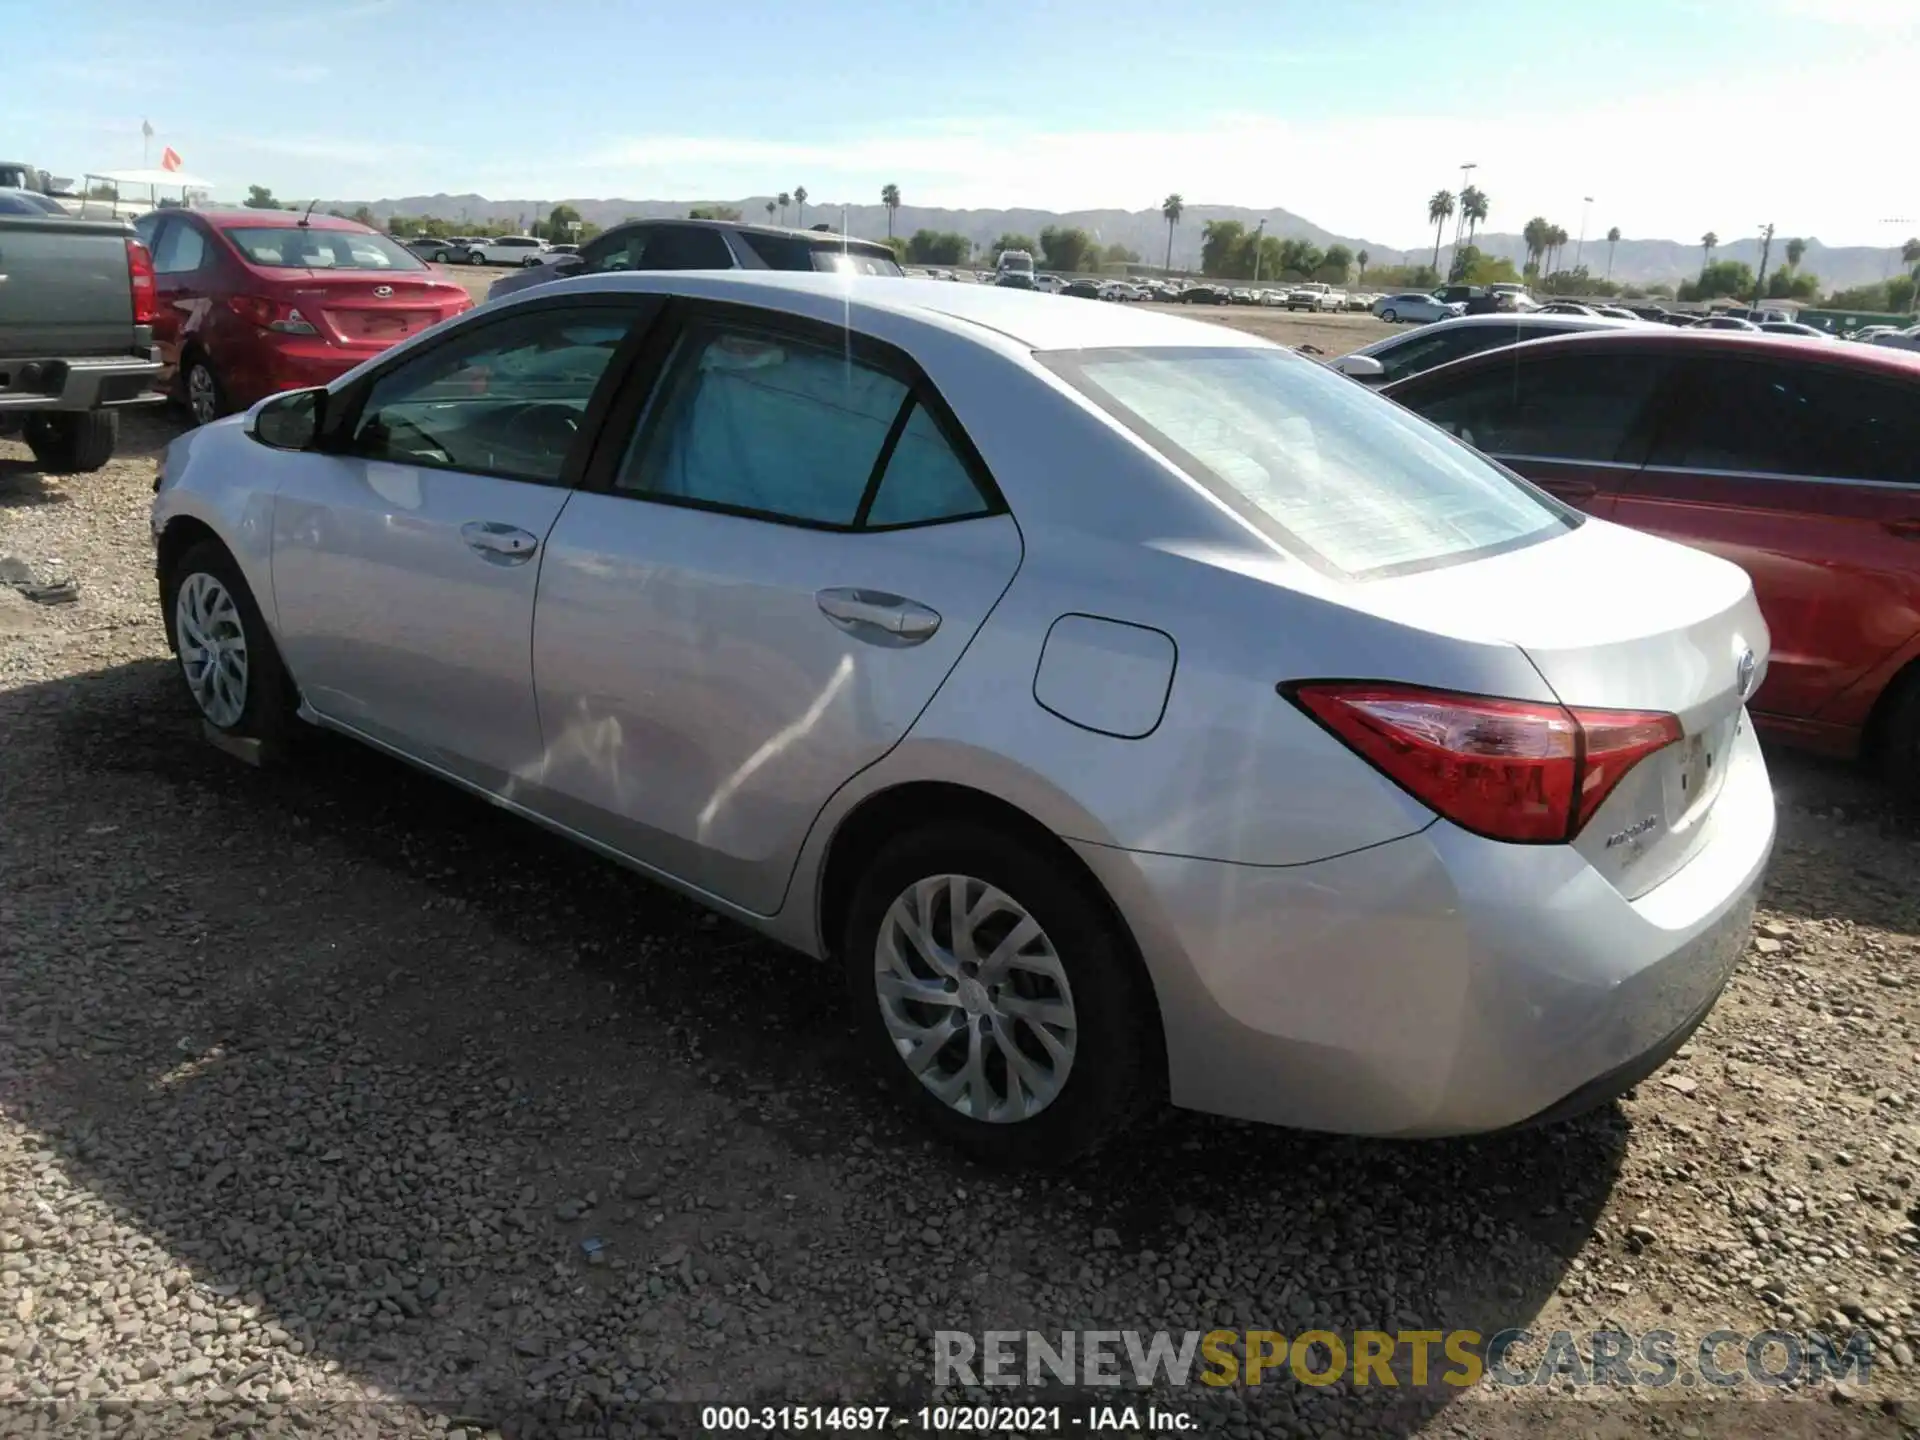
1347	480
292	248
855	262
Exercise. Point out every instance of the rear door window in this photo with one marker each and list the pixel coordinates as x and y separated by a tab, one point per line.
687	247
1770	418
1570	407
180	251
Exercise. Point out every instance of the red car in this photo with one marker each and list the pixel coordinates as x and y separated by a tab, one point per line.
256	301
1798	460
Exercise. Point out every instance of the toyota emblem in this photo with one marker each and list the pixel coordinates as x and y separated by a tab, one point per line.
383	292
1743	671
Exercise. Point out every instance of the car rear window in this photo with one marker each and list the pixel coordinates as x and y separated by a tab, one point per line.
1349	482
795	252
292	248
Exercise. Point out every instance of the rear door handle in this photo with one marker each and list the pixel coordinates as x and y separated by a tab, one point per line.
879	616
1907	527
498	542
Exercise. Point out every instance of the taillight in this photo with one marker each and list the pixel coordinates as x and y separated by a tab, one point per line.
146	303
270	314
1518	770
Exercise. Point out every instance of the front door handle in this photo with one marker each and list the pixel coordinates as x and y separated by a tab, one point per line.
877	615
1907	527
498	542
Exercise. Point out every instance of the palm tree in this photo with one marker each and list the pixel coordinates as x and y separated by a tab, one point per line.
890	197
1171	208
770	210
1707	243
1473	209
1559	243
800	206
1910	257
1535	234
1363	257
1613	239
1796	252
785	200
1439	209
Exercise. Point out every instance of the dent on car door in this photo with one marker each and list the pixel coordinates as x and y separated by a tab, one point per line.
405	551
1808	477
1572	424
756	597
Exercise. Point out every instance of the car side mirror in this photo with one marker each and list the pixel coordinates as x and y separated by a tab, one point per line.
291	421
1364	368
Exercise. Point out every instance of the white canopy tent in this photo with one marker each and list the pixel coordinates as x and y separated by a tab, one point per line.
154	180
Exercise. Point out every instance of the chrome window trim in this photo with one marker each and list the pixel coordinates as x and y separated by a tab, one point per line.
1787	475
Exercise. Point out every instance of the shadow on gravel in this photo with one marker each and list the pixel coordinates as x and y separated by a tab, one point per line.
374	1059
1848	849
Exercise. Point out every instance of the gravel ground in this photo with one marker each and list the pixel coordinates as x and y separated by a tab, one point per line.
315	1083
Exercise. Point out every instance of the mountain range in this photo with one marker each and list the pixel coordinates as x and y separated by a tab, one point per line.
1633	261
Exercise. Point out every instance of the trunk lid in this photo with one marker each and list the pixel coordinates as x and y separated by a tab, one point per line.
1613	619
370	308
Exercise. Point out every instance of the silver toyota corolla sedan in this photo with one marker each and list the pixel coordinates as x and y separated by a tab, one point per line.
1128	706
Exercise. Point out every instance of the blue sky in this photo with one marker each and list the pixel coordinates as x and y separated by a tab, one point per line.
1678	116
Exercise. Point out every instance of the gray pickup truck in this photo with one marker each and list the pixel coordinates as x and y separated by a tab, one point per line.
76	335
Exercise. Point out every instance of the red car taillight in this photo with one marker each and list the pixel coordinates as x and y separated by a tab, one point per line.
146	305
270	314
1517	770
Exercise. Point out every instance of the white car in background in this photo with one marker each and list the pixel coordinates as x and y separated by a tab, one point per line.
1315	295
1413	307
507	250
1908	339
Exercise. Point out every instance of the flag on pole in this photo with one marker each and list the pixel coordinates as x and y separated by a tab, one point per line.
146	129
169	159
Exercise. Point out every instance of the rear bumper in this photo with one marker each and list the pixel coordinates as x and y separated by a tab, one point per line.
1441	983
93	383
264	369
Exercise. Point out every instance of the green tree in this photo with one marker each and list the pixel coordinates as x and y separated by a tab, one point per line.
1536	234
1558	240
785	200
800	206
1295	257
1473	209
938	247
1613	239
770	210
1119	255
1012	241
1362	258
1910	257
890	197
1220	244
713	212
1069	249
1718	279
1792	285
1708	243
364	216
1337	262
1796	252
560	222
898	243
259	197
1439	211
1171	210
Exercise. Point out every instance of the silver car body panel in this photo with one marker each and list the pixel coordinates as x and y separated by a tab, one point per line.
1324	951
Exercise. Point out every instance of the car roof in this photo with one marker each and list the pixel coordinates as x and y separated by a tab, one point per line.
276	220
1027	317
1659	339
789	232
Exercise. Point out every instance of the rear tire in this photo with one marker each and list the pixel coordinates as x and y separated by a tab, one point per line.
205	396
1055	1096
72	442
228	662
1389	316
1899	747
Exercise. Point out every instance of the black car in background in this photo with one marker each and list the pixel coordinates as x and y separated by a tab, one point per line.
1206	295
708	245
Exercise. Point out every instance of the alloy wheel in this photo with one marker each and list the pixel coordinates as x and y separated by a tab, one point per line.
975	999
203	394
213	648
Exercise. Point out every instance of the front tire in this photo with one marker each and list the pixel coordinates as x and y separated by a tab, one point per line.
474	257
72	442
1899	748
999	996
1389	316
226	655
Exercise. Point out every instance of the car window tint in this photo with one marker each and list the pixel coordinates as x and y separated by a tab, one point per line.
1568	408
764	423
779	252
1795	420
622	249
504	399
687	247
181	250
1423	351
925	479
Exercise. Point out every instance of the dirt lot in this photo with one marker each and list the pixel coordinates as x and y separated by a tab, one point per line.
314	1082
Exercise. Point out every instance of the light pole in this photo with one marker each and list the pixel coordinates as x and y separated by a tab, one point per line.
1460	209
1586	208
1766	249
1259	234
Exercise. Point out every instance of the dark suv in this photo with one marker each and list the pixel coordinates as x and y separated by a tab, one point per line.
708	245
